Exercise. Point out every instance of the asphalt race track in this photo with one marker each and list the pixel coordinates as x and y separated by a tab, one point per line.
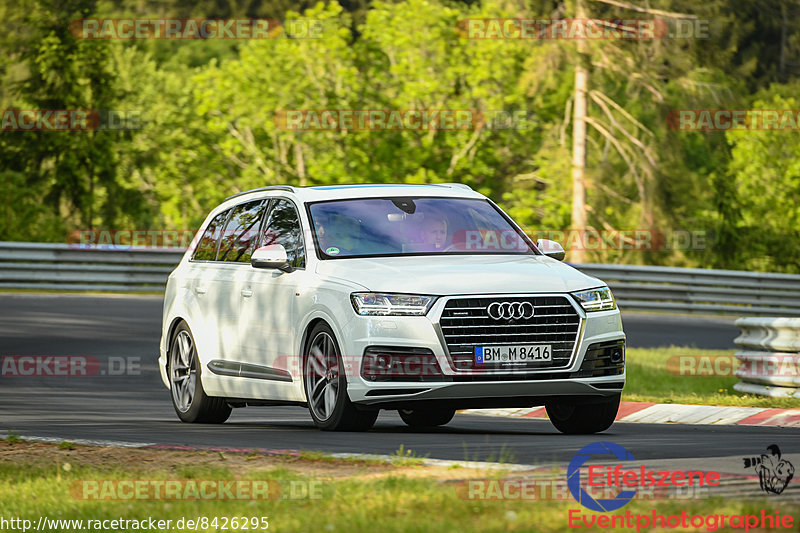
136	407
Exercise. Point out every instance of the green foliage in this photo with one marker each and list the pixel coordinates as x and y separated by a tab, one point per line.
208	118
406	457
765	174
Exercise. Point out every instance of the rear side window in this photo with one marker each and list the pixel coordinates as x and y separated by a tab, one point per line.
283	227
241	233
207	248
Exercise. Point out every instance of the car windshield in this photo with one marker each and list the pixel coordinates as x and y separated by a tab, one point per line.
413	226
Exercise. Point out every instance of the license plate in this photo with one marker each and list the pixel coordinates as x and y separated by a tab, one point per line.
513	353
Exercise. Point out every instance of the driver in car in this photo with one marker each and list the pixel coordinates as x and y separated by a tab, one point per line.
433	232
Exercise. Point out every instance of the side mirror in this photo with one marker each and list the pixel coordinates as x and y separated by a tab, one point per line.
272	256
551	249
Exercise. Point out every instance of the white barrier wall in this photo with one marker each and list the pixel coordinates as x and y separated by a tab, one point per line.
770	356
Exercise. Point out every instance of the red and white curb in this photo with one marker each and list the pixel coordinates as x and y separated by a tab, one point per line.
675	413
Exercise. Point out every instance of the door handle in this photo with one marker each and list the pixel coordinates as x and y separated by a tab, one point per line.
247	293
200	290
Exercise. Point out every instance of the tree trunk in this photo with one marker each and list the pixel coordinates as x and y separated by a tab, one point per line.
578	255
784	23
301	164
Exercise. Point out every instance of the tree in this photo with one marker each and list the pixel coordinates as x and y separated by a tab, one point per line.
74	172
765	174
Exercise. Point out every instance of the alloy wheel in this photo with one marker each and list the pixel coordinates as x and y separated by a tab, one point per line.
322	371
182	371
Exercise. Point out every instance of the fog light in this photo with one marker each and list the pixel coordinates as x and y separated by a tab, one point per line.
398	364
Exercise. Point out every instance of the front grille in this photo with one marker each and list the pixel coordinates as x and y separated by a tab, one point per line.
466	324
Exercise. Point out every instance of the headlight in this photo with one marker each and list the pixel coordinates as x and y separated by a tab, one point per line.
599	299
376	303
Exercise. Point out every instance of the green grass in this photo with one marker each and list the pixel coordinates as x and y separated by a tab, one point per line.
365	461
503	456
403	457
649	380
392	503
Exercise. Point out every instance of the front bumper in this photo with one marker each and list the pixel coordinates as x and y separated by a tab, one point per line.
468	388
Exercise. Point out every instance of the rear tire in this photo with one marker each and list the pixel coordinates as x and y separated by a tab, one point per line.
583	418
416	418
186	387
326	386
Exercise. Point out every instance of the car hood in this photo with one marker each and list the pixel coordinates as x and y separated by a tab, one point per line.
459	274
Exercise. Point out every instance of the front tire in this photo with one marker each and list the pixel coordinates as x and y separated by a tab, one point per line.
417	418
188	397
326	386
575	418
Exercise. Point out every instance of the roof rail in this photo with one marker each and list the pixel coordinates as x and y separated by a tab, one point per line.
259	189
456	185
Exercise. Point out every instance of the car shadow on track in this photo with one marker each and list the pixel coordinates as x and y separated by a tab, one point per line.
389	427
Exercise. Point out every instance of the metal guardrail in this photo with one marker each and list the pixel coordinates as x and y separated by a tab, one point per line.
130	269
27	265
769	356
699	290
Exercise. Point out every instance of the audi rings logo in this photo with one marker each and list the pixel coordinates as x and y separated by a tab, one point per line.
510	310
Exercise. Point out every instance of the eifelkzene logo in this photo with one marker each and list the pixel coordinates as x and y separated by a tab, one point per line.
610	478
574	477
774	472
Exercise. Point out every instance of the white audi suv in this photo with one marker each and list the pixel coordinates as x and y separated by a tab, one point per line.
349	299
